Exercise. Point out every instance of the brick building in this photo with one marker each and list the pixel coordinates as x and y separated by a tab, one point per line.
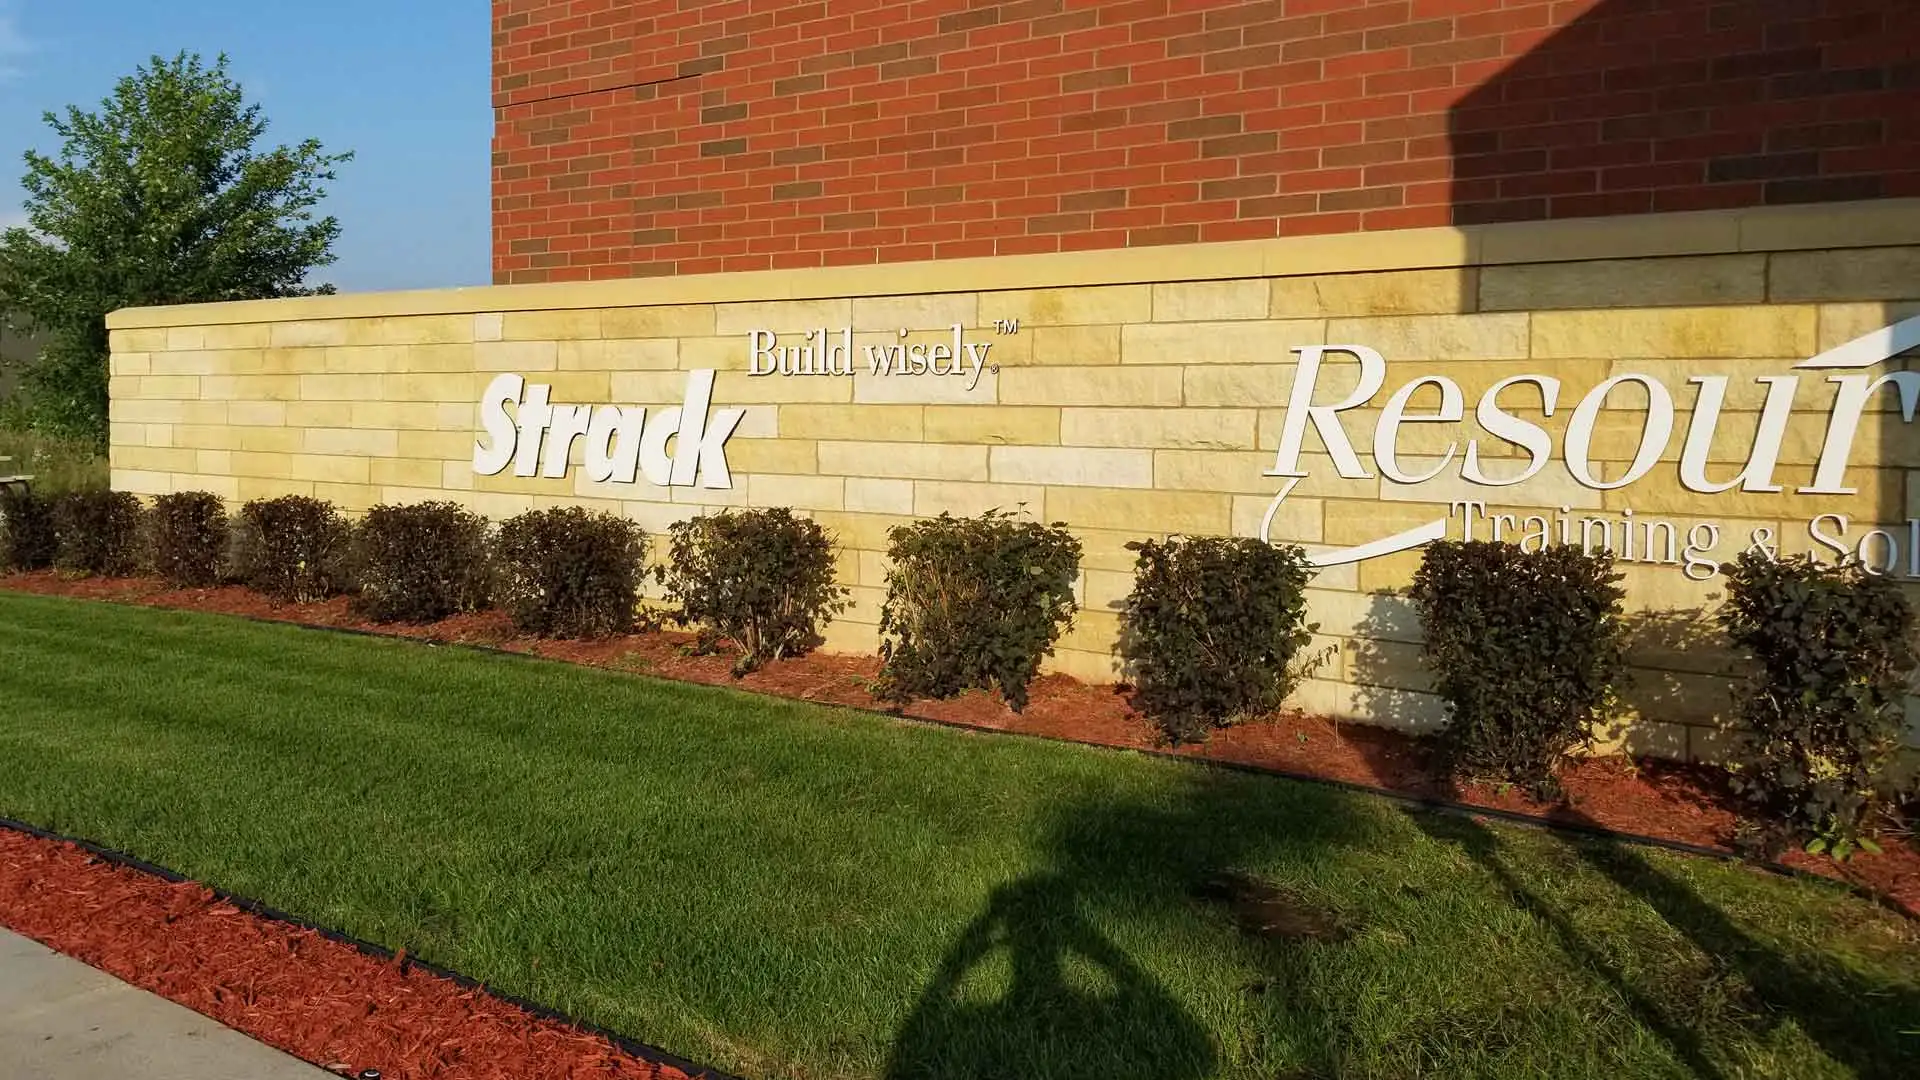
650	137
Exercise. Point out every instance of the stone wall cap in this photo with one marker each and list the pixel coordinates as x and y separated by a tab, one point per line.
1877	223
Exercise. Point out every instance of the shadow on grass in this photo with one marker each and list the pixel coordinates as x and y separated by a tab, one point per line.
1731	981
1034	987
1118	1022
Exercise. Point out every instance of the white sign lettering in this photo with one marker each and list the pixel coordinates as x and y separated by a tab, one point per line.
622	442
822	353
1647	541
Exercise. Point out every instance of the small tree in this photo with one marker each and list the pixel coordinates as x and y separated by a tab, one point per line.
160	197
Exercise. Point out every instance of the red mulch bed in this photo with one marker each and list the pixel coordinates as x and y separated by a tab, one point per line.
1689	804
314	998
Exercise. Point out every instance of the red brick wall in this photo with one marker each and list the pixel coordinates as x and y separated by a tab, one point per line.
688	136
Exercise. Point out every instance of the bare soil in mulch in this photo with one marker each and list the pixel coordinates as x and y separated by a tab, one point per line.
315	998
1664	800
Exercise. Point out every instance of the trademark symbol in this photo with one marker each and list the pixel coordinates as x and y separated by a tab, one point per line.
1006	326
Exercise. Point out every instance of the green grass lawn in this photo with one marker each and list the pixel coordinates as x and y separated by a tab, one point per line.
786	890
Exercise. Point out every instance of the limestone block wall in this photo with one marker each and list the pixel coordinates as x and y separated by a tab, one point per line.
1145	393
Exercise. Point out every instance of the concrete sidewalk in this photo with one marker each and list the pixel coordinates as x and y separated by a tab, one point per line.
62	1020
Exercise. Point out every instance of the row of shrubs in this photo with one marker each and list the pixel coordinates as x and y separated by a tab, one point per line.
1527	649
763	580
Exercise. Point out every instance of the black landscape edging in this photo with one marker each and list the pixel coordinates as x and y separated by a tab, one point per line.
652	1055
1424	802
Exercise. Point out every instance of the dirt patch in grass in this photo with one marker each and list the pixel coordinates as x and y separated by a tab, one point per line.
1264	910
1670	801
294	989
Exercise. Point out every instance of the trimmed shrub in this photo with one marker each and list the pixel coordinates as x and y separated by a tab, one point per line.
973	603
187	538
761	579
1211	630
1525	649
97	533
26	530
419	563
1824	704
293	549
569	572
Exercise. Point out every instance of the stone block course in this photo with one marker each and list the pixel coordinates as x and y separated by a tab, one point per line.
1876	274
1410	292
914	461
1697	281
1209	301
1246	342
1069	345
1664	333
1074	466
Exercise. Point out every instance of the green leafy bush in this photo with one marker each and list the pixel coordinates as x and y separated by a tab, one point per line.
97	533
761	579
26	530
570	572
187	538
419	563
1525	648
293	549
1211	630
973	603
1824	705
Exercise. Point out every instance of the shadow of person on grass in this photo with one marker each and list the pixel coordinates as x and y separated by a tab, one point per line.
1118	1022
1855	1021
1035	986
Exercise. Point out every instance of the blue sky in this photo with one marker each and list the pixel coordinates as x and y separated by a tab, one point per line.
404	84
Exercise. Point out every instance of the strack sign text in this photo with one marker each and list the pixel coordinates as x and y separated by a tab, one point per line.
623	442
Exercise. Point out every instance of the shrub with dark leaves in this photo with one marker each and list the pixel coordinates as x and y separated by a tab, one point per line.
761	579
570	572
1823	707
187	538
293	549
1211	631
97	533
419	563
1525	649
26	530
974	603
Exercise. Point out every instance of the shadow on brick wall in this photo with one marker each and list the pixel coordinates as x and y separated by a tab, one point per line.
1644	106
1653	105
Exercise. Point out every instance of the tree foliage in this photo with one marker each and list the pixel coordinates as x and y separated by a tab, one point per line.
162	196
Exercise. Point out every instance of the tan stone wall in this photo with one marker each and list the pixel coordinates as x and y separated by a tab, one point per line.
1127	405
